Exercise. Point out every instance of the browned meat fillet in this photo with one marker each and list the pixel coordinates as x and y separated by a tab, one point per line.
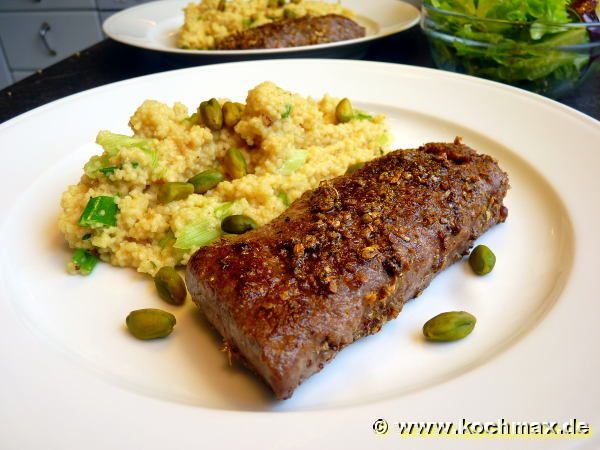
345	257
306	30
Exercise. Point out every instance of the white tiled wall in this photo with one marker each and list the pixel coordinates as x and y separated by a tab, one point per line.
5	76
70	25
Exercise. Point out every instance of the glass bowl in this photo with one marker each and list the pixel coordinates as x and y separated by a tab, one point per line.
547	58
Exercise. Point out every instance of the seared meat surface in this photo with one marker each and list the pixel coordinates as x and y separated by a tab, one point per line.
345	257
306	30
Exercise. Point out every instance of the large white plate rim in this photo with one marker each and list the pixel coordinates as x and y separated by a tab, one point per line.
136	411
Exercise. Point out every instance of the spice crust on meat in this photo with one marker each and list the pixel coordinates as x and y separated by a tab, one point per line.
345	257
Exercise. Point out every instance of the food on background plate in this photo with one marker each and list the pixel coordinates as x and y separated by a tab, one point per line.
150	200
209	22
307	30
345	257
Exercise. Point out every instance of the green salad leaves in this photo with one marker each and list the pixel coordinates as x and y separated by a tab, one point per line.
548	11
520	42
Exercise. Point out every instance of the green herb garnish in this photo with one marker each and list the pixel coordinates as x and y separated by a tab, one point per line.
108	170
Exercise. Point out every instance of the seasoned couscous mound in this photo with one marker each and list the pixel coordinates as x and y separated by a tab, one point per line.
209	21
290	143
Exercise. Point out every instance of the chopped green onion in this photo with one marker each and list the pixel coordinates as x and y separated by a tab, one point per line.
84	261
384	140
284	198
101	211
359	114
135	164
108	170
286	112
247	23
294	162
193	119
92	166
153	158
195	235
158	173
223	210
86	236
113	142
290	14
167	239
354	168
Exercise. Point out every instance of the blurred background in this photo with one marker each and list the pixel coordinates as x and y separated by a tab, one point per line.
35	34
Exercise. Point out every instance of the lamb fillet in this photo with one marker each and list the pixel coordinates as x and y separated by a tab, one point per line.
345	257
306	30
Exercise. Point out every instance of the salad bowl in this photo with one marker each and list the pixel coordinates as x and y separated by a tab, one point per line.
544	48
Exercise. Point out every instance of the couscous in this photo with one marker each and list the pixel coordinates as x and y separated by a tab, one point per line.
150	200
208	22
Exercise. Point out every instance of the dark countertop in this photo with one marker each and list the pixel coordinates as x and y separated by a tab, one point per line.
109	61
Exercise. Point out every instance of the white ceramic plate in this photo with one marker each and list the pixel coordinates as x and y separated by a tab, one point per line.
155	25
73	378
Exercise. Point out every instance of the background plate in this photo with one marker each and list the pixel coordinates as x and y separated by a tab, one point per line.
154	26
